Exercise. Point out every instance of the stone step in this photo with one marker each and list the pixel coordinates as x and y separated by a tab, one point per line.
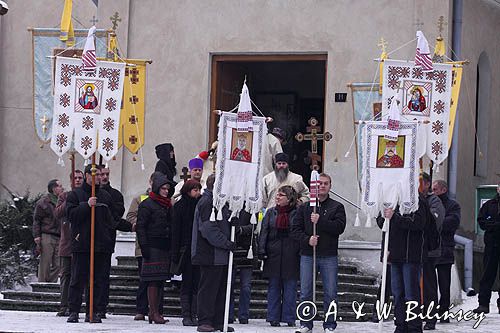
172	298
132	270
127	264
128	280
344	310
131	289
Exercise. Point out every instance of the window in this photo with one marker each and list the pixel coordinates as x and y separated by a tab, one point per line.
483	89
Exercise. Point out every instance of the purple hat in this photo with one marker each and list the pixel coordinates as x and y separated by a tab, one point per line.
196	163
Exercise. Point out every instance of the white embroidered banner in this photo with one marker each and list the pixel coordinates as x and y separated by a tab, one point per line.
390	169
425	97
88	104
239	167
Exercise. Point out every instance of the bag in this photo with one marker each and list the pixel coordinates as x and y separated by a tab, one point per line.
176	267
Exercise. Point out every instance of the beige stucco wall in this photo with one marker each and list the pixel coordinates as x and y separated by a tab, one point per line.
181	36
481	19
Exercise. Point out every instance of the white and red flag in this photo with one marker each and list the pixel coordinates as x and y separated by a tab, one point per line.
423	54
89	59
314	188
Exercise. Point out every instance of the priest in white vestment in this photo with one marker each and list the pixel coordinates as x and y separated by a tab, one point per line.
282	176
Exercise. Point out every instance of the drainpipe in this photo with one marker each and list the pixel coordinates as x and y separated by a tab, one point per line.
468	252
456	38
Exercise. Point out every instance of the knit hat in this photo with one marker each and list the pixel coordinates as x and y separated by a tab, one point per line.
195	163
159	181
281	157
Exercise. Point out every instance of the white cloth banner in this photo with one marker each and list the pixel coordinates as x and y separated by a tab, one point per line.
245	111
426	97
88	104
390	169
240	162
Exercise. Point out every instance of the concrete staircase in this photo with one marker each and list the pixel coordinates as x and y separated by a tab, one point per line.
352	286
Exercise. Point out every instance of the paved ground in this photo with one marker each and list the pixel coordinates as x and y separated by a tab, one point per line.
17	321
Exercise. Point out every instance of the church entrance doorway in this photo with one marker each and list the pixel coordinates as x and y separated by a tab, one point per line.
288	88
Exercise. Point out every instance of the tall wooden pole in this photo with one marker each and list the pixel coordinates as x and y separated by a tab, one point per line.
92	230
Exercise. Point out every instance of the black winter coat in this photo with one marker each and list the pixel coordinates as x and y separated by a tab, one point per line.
182	226
280	250
406	235
78	213
118	210
211	239
489	220
330	226
154	226
243	230
166	164
450	226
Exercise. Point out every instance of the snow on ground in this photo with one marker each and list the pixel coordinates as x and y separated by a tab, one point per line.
18	321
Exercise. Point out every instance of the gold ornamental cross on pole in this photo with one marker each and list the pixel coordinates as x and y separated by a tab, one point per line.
314	136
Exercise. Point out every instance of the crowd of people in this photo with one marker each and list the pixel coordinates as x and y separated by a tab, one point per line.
175	235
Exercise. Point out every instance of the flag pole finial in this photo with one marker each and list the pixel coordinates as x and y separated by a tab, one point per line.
382	44
441	23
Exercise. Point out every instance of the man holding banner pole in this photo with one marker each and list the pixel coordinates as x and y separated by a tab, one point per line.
329	220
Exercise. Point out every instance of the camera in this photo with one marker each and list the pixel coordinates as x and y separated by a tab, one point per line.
4	7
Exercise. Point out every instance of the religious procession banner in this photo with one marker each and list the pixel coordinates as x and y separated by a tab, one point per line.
238	177
88	104
390	169
46	43
133	107
366	106
455	92
425	96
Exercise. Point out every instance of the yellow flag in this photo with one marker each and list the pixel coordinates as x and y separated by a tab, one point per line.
112	53
455	91
383	56
67	32
133	106
439	50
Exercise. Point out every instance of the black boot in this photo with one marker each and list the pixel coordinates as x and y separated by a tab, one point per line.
188	322
482	309
95	319
73	317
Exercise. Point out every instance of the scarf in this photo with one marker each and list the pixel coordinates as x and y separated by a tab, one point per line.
53	198
165	202
282	220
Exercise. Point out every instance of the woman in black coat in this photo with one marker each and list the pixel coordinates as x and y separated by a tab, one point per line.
281	258
181	250
154	235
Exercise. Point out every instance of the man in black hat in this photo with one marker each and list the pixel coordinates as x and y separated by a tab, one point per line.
282	176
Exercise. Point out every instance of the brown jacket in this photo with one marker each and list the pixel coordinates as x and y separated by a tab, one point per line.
44	219
60	213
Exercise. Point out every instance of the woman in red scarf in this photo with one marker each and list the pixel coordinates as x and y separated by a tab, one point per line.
281	257
154	220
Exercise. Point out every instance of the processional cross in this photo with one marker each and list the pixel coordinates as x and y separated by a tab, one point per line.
94	20
114	20
314	136
185	174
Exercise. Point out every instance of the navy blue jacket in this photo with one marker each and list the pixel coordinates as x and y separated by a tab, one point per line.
211	239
